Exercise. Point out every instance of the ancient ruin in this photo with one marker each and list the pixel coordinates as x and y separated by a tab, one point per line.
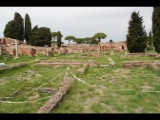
13	47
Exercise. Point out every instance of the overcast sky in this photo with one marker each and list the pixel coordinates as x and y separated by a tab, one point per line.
80	21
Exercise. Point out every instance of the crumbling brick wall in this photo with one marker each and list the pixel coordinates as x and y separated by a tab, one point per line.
23	49
10	46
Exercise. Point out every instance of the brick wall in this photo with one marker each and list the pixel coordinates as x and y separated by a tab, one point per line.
22	49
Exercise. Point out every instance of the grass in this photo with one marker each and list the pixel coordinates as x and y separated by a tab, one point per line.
23	81
111	89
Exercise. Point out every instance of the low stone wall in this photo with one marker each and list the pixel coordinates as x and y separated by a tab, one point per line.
142	54
56	63
131	64
155	65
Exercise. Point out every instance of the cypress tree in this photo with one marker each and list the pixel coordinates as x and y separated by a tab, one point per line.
150	41
19	26
156	28
34	36
59	42
28	28
136	37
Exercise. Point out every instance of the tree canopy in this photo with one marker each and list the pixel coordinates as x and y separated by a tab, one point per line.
100	36
54	34
156	28
59	41
19	26
136	37
9	30
15	28
69	38
40	36
28	28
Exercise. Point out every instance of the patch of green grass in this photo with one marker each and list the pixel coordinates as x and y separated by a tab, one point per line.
106	90
25	79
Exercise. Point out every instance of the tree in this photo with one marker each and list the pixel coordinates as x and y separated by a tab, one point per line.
69	38
150	41
44	36
156	28
79	40
90	40
136	37
28	28
34	36
15	28
111	41
54	35
40	36
19	26
59	42
94	41
9	29
100	36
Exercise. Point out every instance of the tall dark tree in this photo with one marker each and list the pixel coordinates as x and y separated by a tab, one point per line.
34	36
150	41
9	30
44	36
40	36
150	38
19	26
59	42
136	37
156	28
15	28
28	28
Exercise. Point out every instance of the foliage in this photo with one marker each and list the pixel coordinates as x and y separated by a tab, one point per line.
19	24
90	40
79	40
59	42
110	41
34	35
40	36
93	41
150	41
28	28
109	89
54	35
86	40
15	28
136	37
69	38
156	28
10	29
100	36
